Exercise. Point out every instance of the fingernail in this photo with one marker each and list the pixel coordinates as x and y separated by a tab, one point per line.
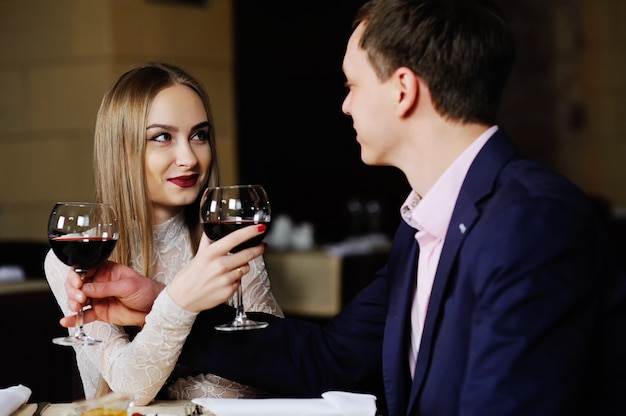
261	228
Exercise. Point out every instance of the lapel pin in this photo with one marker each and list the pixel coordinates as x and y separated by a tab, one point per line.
462	228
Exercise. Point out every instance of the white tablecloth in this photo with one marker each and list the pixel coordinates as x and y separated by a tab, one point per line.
11	398
332	403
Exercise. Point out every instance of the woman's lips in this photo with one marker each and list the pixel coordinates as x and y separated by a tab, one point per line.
185	181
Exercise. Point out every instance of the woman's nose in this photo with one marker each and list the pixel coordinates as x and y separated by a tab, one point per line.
185	156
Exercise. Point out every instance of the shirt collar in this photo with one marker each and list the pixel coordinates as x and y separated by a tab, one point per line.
432	212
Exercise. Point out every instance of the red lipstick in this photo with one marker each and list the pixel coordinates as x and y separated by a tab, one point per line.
185	181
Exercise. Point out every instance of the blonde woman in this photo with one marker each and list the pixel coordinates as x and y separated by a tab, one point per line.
154	153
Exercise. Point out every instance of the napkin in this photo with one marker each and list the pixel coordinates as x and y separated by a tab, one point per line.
11	273
332	403
11	398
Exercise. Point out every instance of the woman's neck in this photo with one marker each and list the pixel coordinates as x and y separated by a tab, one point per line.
164	214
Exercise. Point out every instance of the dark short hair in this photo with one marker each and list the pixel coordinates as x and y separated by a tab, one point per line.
463	49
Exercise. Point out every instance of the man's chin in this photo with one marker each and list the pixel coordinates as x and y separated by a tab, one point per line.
370	160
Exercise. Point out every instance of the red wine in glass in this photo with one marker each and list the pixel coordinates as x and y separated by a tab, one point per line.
224	209
218	229
82	252
82	235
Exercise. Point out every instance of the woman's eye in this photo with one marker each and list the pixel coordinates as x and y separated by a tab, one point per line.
163	137
201	135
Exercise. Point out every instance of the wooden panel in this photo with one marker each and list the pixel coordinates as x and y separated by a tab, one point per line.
315	284
306	283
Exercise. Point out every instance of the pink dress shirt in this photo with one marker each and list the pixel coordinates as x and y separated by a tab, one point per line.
431	215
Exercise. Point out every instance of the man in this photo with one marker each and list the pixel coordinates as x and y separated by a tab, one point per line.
499	296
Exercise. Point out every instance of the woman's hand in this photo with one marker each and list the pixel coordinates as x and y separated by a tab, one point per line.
214	275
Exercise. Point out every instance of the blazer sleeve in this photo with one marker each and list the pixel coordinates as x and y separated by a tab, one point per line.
297	357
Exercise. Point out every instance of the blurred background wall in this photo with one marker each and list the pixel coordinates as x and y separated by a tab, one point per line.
273	71
58	57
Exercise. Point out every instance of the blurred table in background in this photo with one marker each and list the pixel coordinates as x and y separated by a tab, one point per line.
315	284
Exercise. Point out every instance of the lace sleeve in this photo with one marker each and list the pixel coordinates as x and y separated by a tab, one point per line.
257	294
139	368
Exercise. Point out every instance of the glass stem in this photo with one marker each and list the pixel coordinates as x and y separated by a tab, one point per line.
240	314
78	326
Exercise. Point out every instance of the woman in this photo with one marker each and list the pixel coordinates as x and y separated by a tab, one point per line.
154	153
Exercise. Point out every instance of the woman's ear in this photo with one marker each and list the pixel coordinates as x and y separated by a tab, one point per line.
408	89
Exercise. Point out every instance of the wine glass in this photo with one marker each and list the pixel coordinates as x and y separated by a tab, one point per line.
82	235
225	209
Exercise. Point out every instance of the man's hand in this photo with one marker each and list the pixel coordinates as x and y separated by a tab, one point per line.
117	293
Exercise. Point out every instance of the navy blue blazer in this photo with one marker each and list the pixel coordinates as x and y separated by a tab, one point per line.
526	315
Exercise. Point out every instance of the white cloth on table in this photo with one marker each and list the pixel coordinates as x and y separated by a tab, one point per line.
332	403
12	273
11	398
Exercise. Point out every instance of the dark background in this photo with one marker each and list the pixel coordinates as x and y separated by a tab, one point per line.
293	137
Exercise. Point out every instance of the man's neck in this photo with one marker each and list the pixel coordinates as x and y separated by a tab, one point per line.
434	151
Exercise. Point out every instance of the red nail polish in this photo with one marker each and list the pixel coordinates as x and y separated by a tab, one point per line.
261	228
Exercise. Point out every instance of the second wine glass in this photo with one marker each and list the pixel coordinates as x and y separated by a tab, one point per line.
82	235
225	209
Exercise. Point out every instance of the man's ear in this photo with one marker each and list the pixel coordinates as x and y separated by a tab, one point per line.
408	89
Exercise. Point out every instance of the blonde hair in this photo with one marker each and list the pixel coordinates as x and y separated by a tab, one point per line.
119	154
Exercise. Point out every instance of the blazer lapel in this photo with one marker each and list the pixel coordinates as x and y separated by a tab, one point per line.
454	238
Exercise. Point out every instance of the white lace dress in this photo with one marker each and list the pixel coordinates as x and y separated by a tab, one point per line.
142	367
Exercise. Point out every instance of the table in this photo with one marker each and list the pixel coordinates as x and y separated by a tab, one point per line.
159	407
305	283
24	286
317	284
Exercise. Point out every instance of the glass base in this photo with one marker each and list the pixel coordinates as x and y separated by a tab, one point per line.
241	324
76	341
